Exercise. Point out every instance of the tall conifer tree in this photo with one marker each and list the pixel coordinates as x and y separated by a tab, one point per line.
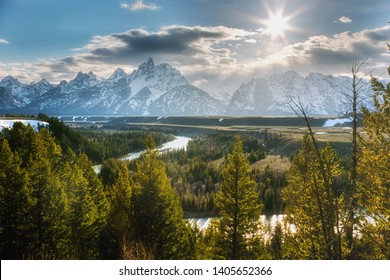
374	171
121	217
87	207
159	217
15	204
313	204
239	207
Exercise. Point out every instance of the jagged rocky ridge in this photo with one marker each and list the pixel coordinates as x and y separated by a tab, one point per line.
149	90
162	90
274	95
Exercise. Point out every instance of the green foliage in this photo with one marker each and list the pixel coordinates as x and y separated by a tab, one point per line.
194	181
121	216
159	217
59	207
195	176
109	172
48	213
313	205
54	206
14	204
374	172
215	146
88	207
100	145
270	184
239	207
276	243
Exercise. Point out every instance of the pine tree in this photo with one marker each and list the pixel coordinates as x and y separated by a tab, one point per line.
52	206
374	170
87	207
313	204
239	207
15	204
121	216
48	212
20	138
159	217
276	243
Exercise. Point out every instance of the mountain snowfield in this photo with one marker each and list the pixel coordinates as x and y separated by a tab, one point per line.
161	90
273	95
33	123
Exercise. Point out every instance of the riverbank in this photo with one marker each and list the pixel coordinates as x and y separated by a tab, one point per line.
180	142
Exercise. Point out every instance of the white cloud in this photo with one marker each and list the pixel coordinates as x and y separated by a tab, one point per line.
212	57
251	41
3	41
125	6
345	19
139	5
332	54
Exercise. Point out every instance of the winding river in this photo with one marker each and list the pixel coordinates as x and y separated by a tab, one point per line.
268	223
180	142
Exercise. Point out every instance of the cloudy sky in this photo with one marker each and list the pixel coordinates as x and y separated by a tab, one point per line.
215	44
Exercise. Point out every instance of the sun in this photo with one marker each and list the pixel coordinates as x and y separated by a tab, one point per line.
276	25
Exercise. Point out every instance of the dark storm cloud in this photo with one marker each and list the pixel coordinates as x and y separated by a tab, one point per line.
327	56
366	49
103	52
68	61
173	40
340	49
382	35
176	39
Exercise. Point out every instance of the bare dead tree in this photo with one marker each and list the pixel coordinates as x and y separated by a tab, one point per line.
359	82
330	220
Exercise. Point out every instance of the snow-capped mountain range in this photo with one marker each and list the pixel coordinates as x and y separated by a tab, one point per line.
275	94
162	90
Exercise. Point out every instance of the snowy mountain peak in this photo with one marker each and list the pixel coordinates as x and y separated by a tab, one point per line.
118	74
158	79
162	90
147	66
150	89
291	73
63	84
39	88
271	95
92	75
42	82
84	80
85	76
9	80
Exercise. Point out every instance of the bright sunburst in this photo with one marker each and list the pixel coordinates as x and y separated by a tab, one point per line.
276	25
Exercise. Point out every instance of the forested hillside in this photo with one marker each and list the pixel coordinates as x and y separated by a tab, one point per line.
99	145
53	205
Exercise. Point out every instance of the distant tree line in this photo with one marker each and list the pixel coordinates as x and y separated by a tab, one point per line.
100	145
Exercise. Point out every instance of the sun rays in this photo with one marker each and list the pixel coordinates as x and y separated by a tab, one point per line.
278	23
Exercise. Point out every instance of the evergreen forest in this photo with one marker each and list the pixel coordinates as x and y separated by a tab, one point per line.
53	205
